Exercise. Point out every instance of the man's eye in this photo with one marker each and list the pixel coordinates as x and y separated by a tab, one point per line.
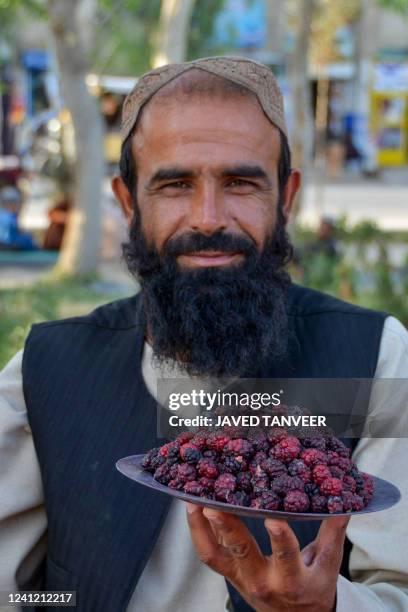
176	185
240	183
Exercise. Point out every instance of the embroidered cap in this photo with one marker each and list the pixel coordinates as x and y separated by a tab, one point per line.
254	76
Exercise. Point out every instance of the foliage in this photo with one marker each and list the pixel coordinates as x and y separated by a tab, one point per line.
400	6
126	32
21	308
361	272
202	27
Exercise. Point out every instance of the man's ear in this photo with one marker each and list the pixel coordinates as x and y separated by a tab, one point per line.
123	196
291	188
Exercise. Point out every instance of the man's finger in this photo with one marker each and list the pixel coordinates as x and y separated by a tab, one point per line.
203	537
330	541
308	553
285	547
236	539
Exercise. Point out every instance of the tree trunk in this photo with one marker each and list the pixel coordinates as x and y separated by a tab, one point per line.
175	17
70	25
364	55
302	136
275	20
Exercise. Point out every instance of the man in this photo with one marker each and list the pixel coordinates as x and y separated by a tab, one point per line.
206	186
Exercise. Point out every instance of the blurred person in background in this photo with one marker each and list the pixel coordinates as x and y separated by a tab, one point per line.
58	217
11	237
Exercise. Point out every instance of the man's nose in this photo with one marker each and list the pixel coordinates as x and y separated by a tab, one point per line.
208	214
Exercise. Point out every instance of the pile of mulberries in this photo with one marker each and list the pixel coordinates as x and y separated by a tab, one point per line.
266	470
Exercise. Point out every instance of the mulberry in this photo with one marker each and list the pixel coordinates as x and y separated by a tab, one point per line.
331	486
296	501
207	468
335	504
192	487
224	485
287	449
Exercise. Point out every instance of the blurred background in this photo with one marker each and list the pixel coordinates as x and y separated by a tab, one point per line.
65	68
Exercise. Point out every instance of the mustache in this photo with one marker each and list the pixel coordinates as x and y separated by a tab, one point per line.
194	242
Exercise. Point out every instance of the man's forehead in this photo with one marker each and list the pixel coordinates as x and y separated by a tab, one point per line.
208	131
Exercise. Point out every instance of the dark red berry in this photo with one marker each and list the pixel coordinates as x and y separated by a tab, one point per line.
341	462
313	456
320	473
299	468
296	501
368	482
173	471
275	435
339	447
239	498
225	484
162	474
284	484
318	442
200	440
185	447
156	461
184	437
217	440
193	487
347	498
274	467
190	453
170	450
211	454
349	484
186	472
207	468
239	447
331	486
312	489
147	459
259	441
176	484
358	503
336	472
269	501
244	482
260	485
318	503
335	504
207	484
287	449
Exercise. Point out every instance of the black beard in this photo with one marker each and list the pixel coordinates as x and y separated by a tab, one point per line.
215	322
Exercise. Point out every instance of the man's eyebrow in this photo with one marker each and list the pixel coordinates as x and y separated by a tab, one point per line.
246	171
168	174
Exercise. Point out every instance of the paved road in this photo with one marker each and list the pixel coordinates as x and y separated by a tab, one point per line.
384	201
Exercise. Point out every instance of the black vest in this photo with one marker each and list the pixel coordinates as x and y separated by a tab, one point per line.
88	406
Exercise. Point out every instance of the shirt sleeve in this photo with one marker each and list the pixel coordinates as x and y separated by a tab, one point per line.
22	513
379	556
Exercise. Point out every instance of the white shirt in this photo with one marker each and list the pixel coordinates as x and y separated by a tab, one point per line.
173	579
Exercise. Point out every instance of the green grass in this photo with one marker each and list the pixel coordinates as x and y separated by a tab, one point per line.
45	301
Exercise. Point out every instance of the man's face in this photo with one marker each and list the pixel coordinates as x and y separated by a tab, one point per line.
206	166
207	236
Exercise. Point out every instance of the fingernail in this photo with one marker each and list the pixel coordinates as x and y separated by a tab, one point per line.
273	528
212	516
191	508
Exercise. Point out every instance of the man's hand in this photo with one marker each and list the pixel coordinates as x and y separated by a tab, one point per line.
290	579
